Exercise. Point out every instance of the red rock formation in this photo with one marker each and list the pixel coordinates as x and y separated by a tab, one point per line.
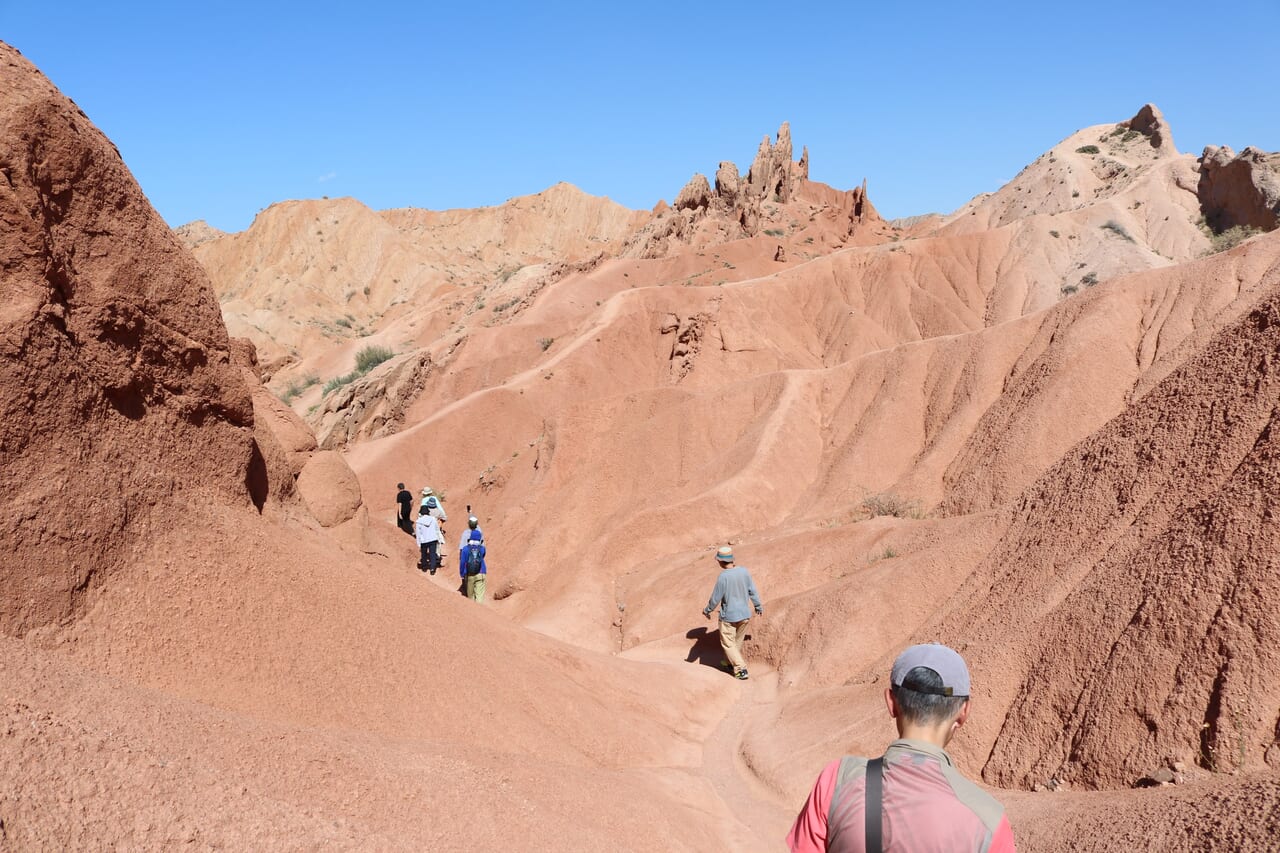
119	405
1239	189
775	195
1139	572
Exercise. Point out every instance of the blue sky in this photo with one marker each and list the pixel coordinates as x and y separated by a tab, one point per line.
222	109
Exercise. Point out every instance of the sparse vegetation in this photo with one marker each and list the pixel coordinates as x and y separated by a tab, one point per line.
887	503
1231	238
1069	289
338	381
343	322
297	386
1088	149
371	356
775	232
505	273
1075	193
1130	135
1117	229
545	343
887	554
1054	234
1089	279
503	306
366	359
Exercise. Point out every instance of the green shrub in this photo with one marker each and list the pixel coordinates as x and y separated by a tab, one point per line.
775	232
366	359
1054	234
545	343
338	381
1089	279
1068	289
1088	149
343	322
297	386
1231	238
370	357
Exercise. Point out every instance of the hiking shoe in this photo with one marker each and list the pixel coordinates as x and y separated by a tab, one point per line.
741	675
433	571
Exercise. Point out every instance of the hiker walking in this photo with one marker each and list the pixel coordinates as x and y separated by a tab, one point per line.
434	504
427	532
404	519
473	525
912	798
471	565
733	587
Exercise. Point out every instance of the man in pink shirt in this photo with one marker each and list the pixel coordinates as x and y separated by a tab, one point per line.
912	799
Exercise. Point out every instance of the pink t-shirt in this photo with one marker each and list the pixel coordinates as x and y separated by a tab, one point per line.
927	806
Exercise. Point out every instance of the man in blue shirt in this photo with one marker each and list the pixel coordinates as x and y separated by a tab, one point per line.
471	565
733	588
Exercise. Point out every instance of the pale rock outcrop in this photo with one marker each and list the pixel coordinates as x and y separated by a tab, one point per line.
696	194
196	233
1150	122
728	181
372	406
740	206
773	175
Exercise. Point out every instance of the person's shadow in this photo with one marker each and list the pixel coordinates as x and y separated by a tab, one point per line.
706	647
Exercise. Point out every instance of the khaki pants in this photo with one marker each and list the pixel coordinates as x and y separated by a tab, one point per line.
731	634
475	588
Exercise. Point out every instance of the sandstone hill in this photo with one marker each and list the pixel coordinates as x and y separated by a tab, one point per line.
190	655
1038	428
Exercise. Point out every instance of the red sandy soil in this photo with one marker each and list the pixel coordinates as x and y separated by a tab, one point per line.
214	634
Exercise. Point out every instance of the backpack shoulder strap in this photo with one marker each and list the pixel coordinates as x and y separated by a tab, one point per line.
874	805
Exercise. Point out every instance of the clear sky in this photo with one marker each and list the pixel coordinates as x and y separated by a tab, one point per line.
222	108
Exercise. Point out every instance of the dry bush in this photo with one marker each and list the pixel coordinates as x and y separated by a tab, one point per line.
887	503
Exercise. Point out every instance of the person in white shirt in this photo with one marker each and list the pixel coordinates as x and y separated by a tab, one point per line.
427	532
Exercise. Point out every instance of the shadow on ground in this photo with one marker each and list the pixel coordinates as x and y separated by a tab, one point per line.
706	648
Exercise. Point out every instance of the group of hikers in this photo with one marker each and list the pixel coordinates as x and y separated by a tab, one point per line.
912	798
428	531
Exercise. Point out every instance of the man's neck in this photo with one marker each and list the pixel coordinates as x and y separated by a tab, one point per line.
939	736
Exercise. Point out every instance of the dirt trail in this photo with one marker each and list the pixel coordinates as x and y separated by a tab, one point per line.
744	796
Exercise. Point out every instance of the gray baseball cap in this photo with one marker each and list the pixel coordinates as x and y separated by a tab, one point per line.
942	660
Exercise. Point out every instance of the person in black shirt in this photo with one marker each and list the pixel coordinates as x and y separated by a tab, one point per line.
405	499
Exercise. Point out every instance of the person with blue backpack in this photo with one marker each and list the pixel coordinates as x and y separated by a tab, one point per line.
471	565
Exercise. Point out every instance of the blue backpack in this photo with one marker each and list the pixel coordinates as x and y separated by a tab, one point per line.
473	557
